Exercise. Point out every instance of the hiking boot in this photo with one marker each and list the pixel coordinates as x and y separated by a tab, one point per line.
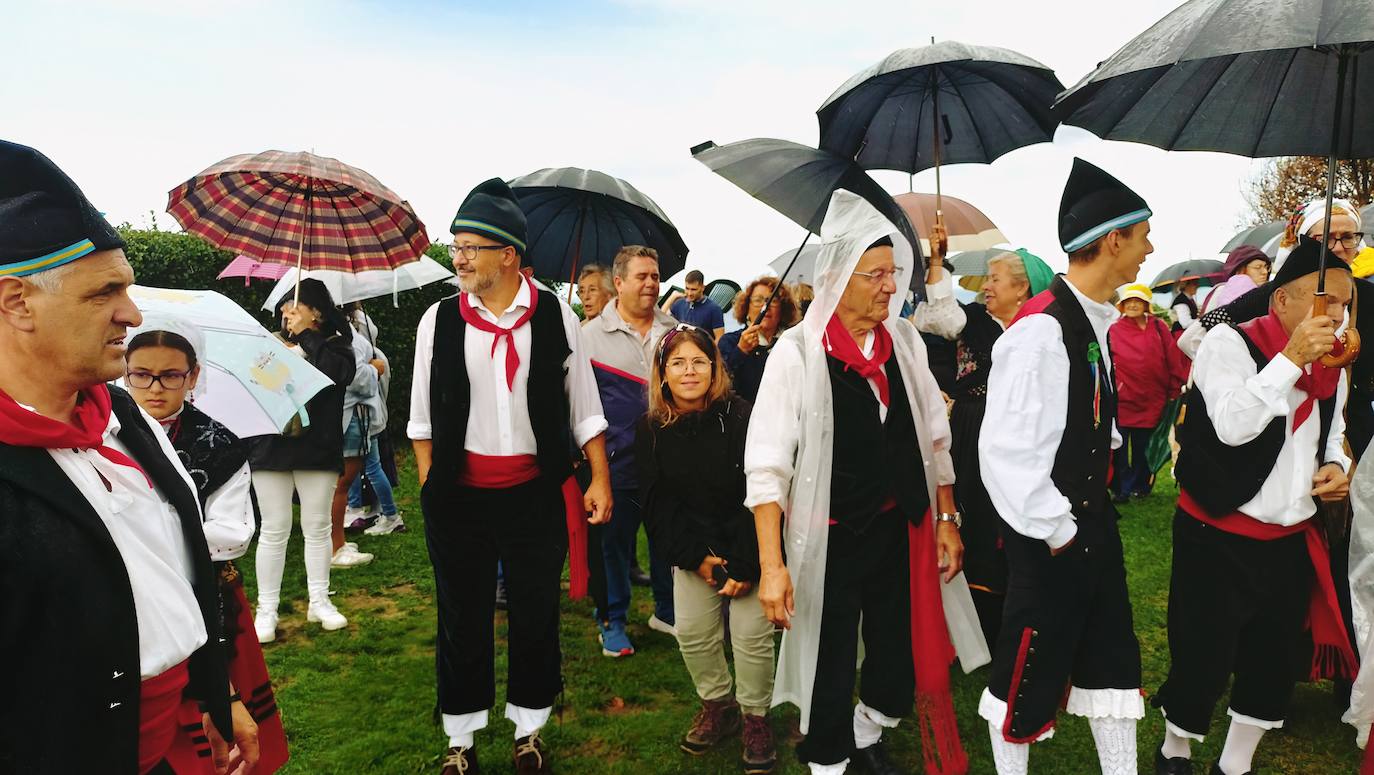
460	760
760	755
1175	765
531	757
875	760
717	720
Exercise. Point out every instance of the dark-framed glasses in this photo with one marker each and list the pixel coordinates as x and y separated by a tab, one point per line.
1349	240
470	252
169	380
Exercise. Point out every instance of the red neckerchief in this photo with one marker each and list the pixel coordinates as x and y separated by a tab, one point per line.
20	427
480	323
1320	384
841	345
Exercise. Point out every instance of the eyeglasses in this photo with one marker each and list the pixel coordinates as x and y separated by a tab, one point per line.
1350	241
171	380
470	252
879	276
695	365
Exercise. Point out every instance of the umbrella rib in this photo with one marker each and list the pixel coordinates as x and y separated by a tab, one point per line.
1292	57
976	131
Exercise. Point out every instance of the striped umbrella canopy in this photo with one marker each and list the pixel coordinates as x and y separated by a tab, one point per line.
307	211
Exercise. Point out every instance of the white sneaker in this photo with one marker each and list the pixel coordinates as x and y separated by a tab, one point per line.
387	525
326	614
265	625
348	556
656	623
359	512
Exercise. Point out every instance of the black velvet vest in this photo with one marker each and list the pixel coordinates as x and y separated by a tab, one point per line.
873	460
1085	450
1220	477
450	392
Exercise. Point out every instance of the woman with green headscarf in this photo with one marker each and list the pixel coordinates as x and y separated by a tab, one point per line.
1012	279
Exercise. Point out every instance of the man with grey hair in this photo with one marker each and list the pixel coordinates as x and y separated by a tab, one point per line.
111	599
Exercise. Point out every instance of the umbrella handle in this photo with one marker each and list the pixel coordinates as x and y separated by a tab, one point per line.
1350	339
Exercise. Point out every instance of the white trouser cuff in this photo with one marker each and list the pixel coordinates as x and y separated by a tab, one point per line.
527	720
460	727
1106	703
994	711
869	725
1241	718
828	769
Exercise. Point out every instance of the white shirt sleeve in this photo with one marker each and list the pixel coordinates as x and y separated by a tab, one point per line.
229	517
940	313
1027	406
1335	441
770	450
1191	339
420	426
1240	402
586	417
1183	315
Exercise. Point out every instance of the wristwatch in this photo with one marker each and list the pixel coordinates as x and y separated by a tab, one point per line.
956	518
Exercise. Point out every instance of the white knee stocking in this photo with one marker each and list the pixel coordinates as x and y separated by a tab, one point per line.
1009	758
1241	741
1115	739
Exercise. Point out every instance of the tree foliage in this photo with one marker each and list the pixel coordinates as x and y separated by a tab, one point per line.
1285	184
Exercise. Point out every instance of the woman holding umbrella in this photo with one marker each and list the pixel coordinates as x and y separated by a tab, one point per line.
307	463
1013	278
746	351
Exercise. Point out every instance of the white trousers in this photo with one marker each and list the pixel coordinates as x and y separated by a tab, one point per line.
316	491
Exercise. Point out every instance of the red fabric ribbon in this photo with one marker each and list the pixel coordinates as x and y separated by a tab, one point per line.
841	345
472	318
932	652
20	427
1332	655
501	471
1320	384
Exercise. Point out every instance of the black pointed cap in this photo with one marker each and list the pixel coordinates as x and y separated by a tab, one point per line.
1303	261
1095	203
45	220
492	210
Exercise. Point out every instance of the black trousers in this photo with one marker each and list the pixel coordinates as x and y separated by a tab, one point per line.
468	530
865	573
1237	606
1066	619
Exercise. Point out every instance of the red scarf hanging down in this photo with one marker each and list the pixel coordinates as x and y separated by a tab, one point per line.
1320	384
840	343
932	653
502	471
472	318
1332	655
20	427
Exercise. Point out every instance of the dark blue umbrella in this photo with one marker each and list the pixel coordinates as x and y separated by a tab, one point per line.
579	217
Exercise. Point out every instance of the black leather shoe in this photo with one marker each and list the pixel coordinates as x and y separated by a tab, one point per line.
874	760
460	761
1176	765
639	577
1216	770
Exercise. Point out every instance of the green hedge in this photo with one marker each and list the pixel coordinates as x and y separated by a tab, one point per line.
170	260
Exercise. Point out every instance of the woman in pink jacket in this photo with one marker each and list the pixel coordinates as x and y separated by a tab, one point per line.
1145	364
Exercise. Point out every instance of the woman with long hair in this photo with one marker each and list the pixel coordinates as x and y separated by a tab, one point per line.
163	375
690	453
306	463
746	351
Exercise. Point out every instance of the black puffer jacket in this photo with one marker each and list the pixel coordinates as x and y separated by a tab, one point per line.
320	446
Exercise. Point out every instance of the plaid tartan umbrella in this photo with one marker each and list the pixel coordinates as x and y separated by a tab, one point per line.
302	210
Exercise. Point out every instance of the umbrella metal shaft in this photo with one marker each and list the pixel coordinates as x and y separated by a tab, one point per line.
781	280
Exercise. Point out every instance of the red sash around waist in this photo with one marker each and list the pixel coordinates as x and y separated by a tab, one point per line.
497	472
170	726
1332	655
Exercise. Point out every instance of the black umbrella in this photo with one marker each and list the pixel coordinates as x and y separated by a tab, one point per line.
797	181
1256	236
948	102
579	216
1250	77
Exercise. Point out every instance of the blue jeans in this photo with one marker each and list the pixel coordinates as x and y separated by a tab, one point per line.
1131	464
372	468
618	548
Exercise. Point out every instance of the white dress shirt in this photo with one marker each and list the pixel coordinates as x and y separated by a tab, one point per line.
499	418
941	314
1027	407
1241	401
1183	314
147	532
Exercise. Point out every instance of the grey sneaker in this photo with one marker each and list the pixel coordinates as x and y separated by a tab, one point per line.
387	525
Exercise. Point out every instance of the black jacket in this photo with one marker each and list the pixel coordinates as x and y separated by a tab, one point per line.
691	479
68	630
320	446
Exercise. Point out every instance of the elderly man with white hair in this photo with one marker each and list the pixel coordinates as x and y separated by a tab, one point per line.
849	440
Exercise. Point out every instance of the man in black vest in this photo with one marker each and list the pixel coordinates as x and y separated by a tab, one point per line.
1045	451
502	392
1260	443
110	626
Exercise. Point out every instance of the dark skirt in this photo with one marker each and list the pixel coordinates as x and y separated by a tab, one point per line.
985	563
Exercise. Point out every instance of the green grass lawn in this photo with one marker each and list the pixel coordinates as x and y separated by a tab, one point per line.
362	699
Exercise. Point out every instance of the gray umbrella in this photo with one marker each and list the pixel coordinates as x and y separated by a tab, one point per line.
1250	77
1257	236
1204	270
974	263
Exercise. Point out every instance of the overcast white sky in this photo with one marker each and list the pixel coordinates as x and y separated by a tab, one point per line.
132	97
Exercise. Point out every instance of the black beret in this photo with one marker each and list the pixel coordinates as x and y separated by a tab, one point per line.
45	220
